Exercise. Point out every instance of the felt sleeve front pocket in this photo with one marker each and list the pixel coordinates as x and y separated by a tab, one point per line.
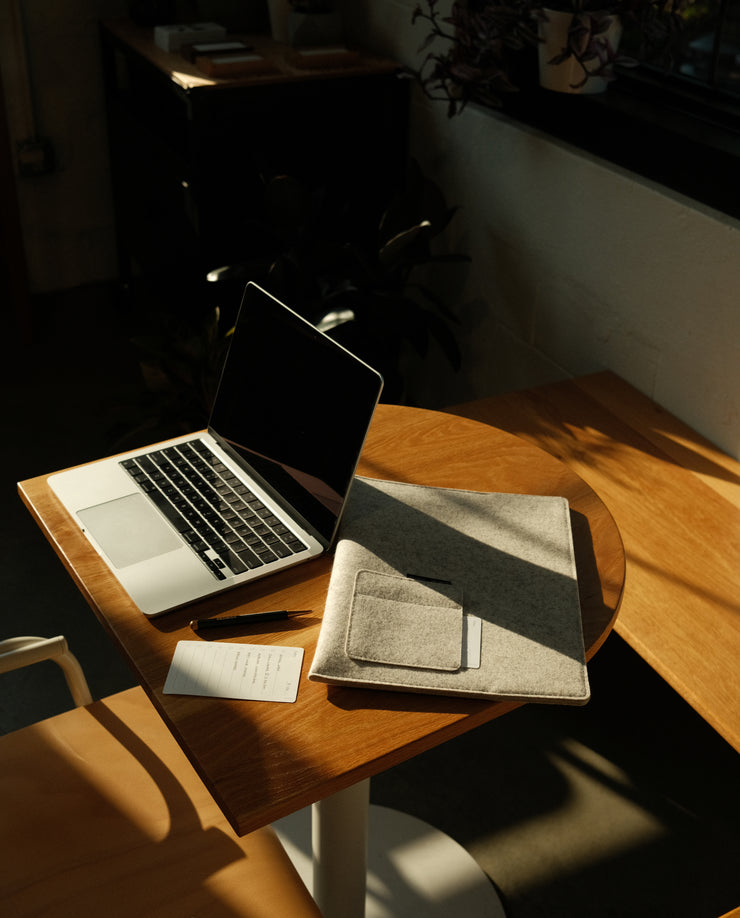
400	621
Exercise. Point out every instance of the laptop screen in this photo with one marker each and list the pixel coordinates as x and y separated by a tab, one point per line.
295	406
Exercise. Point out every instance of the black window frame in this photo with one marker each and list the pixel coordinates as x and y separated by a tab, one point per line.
665	129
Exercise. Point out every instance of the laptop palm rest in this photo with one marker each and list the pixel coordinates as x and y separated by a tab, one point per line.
129	530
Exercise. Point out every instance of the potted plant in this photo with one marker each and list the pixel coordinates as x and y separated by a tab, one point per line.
577	49
579	40
180	360
470	52
373	291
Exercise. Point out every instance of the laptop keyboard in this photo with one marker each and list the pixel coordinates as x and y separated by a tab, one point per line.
227	526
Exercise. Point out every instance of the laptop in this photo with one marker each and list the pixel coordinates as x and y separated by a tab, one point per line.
262	489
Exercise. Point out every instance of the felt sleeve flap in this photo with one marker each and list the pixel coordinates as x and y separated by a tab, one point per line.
401	622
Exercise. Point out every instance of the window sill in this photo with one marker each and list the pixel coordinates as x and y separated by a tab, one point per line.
674	139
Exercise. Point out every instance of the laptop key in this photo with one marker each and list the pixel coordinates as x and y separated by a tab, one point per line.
165	507
214	565
294	544
223	521
264	553
234	563
248	557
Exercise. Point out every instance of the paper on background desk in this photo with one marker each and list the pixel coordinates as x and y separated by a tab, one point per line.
249	672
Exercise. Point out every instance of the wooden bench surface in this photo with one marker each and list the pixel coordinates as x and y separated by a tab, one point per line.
103	815
676	500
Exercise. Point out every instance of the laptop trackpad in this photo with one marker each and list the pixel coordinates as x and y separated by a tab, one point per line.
129	529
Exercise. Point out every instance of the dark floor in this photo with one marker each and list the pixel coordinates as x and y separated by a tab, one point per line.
627	807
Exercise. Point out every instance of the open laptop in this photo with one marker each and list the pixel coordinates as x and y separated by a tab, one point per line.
261	490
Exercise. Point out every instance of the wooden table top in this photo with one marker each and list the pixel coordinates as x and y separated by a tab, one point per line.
264	761
282	58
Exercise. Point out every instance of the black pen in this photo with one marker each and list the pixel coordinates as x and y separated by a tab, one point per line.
248	618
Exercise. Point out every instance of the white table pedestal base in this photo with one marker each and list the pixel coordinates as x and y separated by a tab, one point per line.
413	869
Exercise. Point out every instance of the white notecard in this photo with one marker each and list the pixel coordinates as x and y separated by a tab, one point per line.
471	643
251	672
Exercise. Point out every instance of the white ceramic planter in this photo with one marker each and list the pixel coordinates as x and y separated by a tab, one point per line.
566	76
307	29
279	14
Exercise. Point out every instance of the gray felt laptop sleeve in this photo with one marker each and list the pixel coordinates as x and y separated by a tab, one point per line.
415	565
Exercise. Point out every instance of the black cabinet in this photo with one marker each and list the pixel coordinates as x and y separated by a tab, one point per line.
191	155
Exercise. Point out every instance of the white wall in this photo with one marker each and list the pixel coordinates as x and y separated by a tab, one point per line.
577	266
67	216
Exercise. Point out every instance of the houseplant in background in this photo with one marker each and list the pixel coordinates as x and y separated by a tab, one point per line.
579	41
470	53
180	361
375	290
577	50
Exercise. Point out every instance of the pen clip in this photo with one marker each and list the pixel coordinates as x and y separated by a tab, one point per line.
424	579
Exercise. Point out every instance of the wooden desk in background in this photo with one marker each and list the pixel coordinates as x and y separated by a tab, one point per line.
192	155
264	761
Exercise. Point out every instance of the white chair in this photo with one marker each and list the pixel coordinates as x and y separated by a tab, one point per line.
102	815
22	651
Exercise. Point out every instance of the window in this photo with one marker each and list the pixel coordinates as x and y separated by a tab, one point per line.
709	49
680	128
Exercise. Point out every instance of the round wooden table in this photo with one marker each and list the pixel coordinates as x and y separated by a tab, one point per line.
263	762
434	448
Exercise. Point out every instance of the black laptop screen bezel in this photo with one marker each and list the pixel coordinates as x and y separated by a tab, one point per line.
294	404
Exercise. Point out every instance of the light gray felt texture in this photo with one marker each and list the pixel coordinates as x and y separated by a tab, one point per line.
403	622
511	558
